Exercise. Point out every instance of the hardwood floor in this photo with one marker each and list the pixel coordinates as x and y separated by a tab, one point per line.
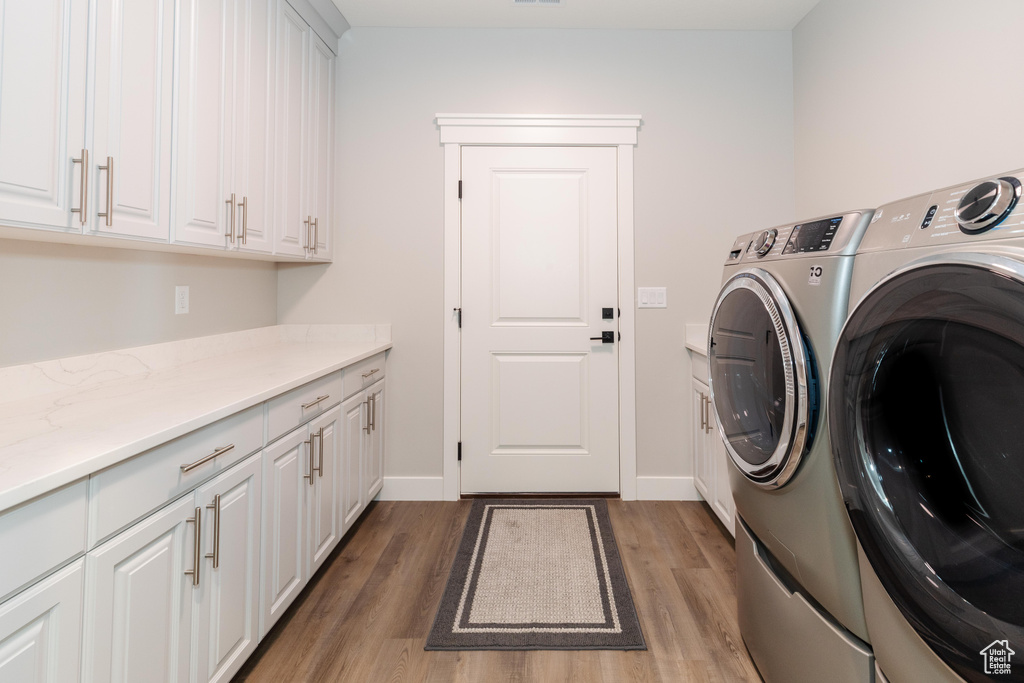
366	616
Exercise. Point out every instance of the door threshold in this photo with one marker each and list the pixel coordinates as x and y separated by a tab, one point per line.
540	495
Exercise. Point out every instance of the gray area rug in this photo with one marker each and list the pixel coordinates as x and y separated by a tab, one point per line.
537	575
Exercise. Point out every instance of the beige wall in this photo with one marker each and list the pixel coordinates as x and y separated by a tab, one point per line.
62	300
714	159
897	98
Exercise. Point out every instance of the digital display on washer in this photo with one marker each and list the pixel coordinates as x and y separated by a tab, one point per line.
816	236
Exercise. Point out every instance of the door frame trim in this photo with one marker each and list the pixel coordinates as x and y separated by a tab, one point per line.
619	131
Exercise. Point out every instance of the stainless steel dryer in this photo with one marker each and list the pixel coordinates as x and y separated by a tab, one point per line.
925	410
781	307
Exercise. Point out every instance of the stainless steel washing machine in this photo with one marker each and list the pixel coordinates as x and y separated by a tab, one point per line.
782	304
925	412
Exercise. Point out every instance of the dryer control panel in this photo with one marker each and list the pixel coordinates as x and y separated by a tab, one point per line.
838	234
984	209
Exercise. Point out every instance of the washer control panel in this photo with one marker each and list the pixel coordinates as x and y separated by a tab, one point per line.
838	234
985	209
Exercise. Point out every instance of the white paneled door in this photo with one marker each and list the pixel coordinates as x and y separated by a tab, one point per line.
539	268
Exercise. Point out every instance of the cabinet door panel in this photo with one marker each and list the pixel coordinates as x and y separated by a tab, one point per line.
134	61
43	64
139	602
701	459
353	438
324	528
41	632
321	145
254	128
291	204
373	467
228	615
285	465
722	495
204	120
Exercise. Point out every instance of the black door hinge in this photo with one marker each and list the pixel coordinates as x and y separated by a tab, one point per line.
460	451
460	189
458	313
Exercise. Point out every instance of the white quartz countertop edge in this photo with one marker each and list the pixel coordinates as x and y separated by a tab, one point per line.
41	463
697	338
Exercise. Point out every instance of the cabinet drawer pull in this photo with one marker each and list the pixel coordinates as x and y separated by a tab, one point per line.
202	461
83	188
197	546
109	213
315	401
371	373
215	555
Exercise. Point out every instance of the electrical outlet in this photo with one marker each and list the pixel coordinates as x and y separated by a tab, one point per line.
181	299
652	297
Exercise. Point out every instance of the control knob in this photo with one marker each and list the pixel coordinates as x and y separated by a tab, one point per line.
765	241
986	205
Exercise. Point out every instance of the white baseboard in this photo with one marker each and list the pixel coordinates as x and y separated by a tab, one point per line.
666	488
412	488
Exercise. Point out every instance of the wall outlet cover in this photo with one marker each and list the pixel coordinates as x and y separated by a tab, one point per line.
181	299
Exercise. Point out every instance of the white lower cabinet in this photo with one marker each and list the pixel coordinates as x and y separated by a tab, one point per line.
300	510
138	620
353	419
373	455
710	459
227	616
41	630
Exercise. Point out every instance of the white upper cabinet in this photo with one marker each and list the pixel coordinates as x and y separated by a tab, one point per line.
293	36
321	146
205	210
43	49
130	194
254	125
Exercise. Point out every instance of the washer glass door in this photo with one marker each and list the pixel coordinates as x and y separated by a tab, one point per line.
758	376
925	412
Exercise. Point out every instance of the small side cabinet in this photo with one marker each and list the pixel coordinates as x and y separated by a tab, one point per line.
710	459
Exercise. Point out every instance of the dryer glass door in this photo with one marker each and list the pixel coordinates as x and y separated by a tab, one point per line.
759	378
925	412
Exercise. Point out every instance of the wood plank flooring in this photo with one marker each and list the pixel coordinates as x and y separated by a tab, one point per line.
366	616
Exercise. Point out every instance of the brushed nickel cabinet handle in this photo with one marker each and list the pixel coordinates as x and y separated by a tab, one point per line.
315	401
316	235
205	459
197	546
309	443
215	555
245	219
367	427
320	438
109	213
707	418
83	188
309	224
373	412
371	373
231	230
703	424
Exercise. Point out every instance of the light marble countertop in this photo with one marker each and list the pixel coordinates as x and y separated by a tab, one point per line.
63	420
697	338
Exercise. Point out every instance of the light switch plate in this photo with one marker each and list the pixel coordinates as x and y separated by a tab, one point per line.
652	297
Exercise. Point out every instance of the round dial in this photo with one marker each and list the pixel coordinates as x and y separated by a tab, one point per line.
765	241
986	205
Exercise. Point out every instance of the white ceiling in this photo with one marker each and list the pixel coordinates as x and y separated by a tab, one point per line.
635	14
